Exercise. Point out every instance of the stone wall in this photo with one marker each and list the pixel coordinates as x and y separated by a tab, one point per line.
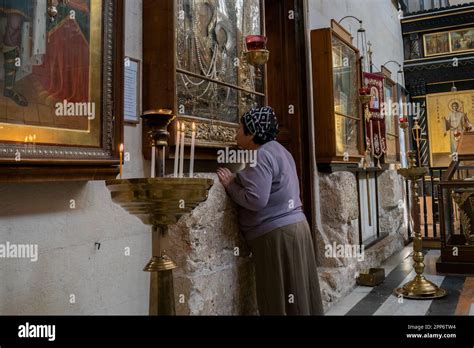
340	225
215	273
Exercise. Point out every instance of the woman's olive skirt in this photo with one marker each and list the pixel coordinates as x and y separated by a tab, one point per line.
286	273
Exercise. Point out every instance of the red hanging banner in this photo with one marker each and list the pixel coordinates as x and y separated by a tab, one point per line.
374	118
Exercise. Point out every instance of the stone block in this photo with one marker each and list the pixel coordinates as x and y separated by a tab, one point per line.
215	273
338	197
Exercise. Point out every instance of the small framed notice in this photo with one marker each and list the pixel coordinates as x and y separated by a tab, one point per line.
131	90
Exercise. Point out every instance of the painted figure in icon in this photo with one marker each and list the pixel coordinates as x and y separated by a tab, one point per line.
44	61
16	13
457	122
375	100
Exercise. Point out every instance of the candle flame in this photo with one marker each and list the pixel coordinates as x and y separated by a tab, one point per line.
194	126
121	147
183	126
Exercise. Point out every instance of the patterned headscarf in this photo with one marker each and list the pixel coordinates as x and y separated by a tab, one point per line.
261	122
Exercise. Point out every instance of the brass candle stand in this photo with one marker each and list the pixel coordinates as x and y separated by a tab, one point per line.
419	287
159	202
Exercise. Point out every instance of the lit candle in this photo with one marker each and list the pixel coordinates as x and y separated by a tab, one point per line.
121	161
193	143
181	155
153	161
176	152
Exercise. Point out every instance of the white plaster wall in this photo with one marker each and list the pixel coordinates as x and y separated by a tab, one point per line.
104	281
380	20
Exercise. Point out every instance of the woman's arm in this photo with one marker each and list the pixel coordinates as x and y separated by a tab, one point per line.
253	191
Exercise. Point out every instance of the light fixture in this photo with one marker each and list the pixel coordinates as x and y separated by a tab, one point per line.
361	43
400	68
257	53
454	89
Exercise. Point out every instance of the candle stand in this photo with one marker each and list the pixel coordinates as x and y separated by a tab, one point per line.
419	287
159	202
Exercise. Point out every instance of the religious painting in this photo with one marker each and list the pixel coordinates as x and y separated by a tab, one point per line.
375	84
345	89
57	80
449	115
462	40
436	43
391	122
375	120
215	84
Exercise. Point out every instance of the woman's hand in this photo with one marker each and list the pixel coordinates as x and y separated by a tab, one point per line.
225	176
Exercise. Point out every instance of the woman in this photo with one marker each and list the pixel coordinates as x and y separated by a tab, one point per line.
272	220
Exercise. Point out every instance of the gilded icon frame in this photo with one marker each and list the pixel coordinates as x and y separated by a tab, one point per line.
95	150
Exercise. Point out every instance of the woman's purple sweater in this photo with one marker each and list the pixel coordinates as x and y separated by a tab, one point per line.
268	194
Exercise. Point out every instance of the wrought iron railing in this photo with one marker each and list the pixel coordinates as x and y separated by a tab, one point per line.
429	204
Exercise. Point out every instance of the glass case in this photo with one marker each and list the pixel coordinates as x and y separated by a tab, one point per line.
391	96
345	89
337	112
456	197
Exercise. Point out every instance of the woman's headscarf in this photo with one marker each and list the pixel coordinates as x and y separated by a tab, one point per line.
261	122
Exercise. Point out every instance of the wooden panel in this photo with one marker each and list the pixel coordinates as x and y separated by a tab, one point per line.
159	61
286	84
323	95
159	65
341	31
466	144
56	173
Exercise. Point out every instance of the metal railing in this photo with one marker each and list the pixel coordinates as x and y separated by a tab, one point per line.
429	205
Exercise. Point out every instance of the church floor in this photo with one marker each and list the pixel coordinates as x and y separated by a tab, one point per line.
380	300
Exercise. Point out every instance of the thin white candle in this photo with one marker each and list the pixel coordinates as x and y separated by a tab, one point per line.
153	161
176	152
181	155
193	144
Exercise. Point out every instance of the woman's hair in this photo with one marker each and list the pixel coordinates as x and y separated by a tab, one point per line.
262	123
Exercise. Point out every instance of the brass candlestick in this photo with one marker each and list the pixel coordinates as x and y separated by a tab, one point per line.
158	122
419	287
159	202
416	132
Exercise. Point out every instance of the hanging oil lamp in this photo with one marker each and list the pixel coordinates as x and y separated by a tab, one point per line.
257	53
403	122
